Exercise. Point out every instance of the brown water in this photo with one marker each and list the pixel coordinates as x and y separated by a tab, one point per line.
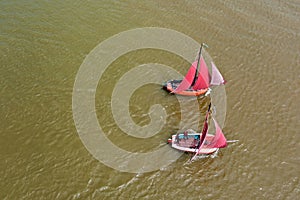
255	45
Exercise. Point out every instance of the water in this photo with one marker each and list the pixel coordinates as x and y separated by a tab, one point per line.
254	44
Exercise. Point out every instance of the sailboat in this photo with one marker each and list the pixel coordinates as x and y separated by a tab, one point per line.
198	80
199	143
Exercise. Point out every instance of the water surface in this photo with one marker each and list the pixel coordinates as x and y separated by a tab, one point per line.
254	44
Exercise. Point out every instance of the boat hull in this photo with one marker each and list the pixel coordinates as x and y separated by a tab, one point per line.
188	143
171	85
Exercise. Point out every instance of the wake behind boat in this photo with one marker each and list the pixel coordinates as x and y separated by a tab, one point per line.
198	80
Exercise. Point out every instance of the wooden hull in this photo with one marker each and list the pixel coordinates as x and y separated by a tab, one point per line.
189	143
171	85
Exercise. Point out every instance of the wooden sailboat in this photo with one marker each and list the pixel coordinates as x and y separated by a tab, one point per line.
198	80
199	143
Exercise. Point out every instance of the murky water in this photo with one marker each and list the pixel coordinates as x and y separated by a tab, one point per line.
254	44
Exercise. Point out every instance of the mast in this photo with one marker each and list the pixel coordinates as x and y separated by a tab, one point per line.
203	133
198	63
205	127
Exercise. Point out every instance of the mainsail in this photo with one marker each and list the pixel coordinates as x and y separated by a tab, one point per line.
203	76
216	76
188	79
219	140
204	131
200	79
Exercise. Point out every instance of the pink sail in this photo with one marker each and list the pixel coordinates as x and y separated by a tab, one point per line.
219	141
204	130
203	76
216	76
203	135
188	79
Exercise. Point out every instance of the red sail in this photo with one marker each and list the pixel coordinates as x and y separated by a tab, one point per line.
203	135
188	79
216	76
219	140
204	130
203	76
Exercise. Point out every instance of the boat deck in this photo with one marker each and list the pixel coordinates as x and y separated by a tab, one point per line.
188	142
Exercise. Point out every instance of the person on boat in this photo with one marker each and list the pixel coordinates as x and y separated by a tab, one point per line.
177	138
185	135
198	144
